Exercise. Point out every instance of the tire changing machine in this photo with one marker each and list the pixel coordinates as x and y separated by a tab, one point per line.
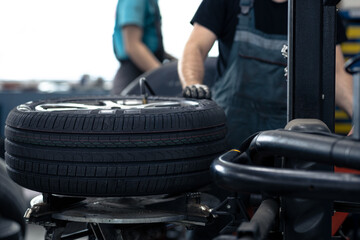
300	191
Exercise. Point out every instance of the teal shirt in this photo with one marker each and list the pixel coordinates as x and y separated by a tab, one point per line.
143	13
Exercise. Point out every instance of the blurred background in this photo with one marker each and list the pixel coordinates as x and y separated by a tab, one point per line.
65	40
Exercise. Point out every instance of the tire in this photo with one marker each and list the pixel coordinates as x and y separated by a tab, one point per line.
114	146
172	85
116	141
162	115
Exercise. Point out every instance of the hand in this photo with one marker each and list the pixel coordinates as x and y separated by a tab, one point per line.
199	91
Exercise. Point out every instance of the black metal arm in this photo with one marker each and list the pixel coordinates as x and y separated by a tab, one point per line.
324	148
286	182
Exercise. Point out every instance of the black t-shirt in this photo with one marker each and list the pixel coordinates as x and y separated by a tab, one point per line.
220	16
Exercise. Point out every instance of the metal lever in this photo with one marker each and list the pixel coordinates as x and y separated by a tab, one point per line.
143	86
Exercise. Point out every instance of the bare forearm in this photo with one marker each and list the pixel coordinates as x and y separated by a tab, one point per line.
143	58
191	66
344	85
138	52
344	94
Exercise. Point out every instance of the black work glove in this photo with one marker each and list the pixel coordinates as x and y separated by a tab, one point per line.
197	91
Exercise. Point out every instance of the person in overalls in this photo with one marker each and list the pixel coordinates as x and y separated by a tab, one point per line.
137	40
250	85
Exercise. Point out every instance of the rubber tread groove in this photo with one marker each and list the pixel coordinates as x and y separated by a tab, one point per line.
114	154
131	186
115	140
142	169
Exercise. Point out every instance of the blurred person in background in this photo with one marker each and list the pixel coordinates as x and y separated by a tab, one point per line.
137	40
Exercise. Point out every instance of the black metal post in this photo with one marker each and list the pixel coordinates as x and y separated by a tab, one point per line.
311	60
311	94
304	57
328	63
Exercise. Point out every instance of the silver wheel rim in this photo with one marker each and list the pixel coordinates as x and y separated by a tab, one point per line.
126	104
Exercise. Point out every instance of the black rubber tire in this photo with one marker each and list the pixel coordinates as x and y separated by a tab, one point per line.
115	141
207	114
130	152
100	187
113	155
172	85
12	201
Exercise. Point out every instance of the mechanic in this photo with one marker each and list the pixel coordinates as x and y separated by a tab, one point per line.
137	40
250	84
